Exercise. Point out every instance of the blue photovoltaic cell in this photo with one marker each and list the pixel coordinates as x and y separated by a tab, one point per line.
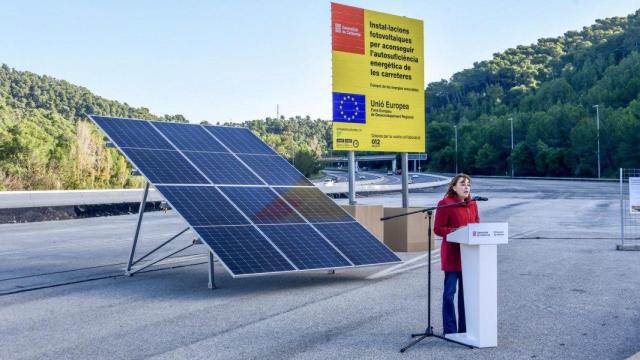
164	166
202	205
313	204
185	157
223	168
304	246
356	243
189	137
240	140
261	205
243	249
132	133
275	170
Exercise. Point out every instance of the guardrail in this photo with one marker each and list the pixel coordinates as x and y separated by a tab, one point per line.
532	177
48	198
374	186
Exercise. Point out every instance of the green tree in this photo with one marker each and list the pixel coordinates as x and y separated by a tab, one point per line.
307	162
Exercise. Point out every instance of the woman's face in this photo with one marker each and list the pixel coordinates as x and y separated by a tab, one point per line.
462	188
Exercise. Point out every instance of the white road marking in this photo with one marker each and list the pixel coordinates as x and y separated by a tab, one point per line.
435	254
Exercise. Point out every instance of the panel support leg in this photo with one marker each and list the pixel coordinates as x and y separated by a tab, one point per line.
162	258
143	203
212	283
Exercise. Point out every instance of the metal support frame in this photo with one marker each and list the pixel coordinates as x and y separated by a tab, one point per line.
629	221
131	262
405	179
212	282
143	203
130	273
352	178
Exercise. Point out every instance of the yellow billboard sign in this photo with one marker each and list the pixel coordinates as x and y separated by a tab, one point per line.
378	81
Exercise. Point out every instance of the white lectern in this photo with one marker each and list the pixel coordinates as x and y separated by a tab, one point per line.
478	253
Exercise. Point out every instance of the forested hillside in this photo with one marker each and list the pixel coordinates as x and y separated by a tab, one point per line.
46	142
549	89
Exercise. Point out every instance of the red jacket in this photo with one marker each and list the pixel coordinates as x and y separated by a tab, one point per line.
448	220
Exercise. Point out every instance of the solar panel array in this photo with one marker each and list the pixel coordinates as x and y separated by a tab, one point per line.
255	211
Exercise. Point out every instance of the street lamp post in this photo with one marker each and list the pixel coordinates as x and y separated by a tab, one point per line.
455	130
512	172
598	136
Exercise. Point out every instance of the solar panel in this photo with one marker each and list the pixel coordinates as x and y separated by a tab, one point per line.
189	137
313	204
275	170
132	133
223	168
304	246
202	205
353	240
254	210
240	140
164	166
243	250
262	205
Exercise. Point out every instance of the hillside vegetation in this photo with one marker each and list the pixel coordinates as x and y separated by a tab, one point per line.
46	141
549	89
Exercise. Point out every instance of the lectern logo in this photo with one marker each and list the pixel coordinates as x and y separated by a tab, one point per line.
481	233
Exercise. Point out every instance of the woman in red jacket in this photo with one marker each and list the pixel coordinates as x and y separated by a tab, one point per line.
447	220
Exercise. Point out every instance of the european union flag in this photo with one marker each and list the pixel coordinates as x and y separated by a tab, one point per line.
349	108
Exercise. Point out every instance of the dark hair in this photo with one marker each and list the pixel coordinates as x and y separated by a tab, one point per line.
454	181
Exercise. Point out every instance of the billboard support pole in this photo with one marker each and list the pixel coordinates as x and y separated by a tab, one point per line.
352	178
405	180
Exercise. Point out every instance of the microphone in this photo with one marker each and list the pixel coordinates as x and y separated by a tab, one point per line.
480	198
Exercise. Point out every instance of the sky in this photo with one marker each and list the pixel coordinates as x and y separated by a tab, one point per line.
223	60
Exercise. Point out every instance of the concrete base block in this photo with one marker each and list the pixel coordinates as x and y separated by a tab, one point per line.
628	247
407	233
369	217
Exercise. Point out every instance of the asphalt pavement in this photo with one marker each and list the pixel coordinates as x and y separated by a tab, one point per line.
564	292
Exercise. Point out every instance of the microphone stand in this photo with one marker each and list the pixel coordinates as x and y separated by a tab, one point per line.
429	330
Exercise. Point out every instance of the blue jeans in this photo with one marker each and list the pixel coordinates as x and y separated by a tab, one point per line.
448	309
